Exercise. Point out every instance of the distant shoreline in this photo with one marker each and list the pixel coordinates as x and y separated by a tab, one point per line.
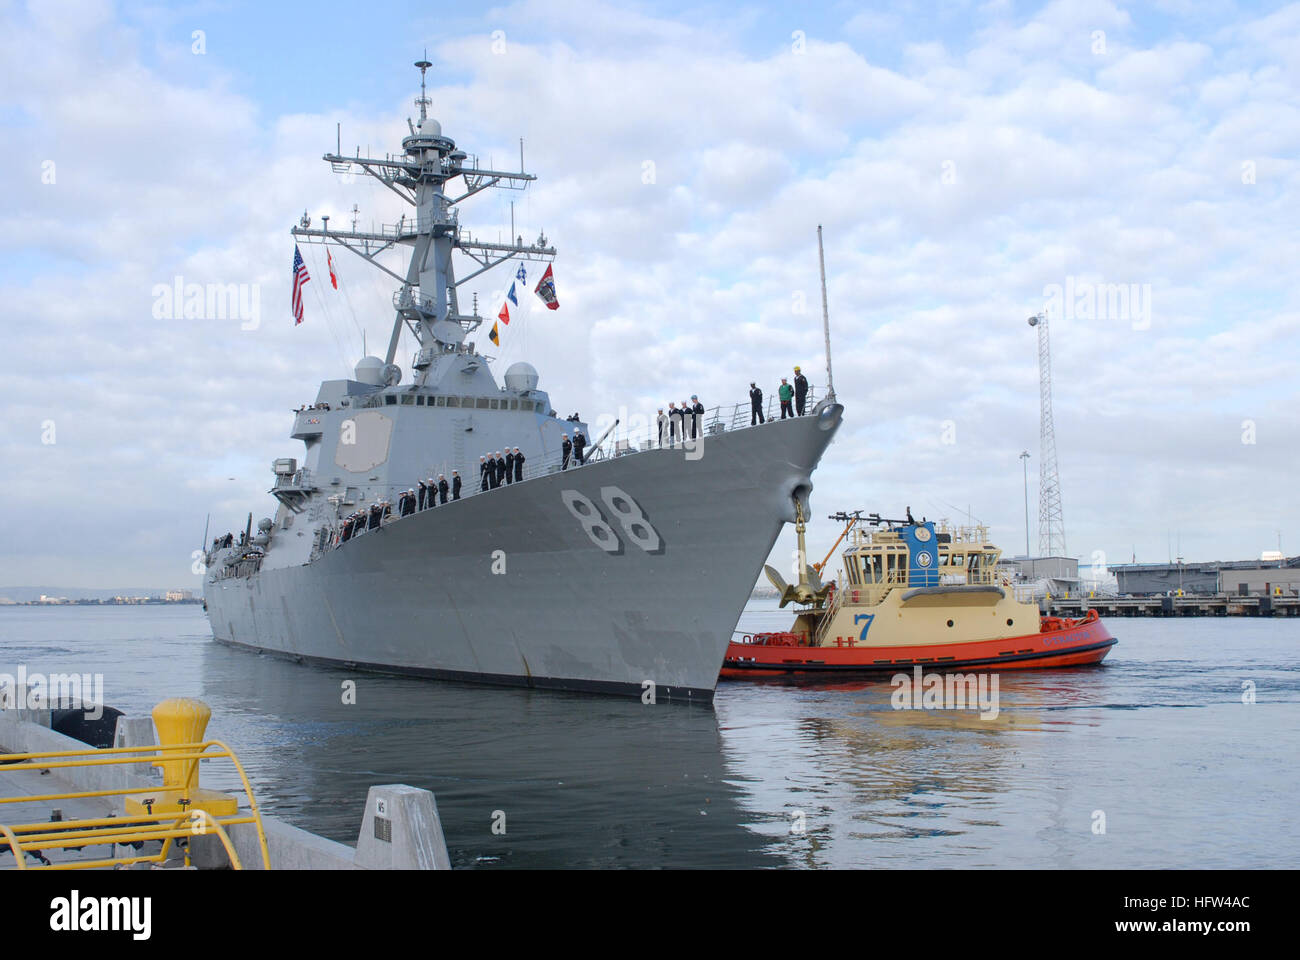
114	602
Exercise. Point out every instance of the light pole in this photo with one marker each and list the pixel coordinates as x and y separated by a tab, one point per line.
1024	462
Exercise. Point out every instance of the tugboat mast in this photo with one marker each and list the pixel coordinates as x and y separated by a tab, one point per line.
426	302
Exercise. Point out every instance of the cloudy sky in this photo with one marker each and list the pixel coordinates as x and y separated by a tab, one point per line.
965	159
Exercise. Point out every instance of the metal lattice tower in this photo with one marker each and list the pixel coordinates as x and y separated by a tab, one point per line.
1051	519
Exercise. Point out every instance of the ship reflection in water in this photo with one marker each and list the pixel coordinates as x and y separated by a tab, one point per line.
1157	741
572	779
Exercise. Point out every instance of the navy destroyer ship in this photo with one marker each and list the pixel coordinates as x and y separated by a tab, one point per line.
621	570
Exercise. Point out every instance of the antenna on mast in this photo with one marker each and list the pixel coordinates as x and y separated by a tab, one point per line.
423	102
826	317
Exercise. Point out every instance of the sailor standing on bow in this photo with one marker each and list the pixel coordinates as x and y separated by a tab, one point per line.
786	393
519	465
800	391
565	449
442	488
455	485
510	465
501	469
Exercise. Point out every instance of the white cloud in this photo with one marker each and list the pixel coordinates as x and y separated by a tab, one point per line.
1124	168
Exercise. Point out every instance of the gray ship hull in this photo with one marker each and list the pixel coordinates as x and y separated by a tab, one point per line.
514	586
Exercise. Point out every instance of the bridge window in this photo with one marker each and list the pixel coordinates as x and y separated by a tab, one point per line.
407	400
390	400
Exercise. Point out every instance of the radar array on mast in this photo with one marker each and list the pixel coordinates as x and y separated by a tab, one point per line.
426	303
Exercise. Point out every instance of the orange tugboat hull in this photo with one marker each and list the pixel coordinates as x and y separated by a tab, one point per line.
1059	643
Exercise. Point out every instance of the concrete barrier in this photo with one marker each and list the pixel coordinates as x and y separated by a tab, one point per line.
401	831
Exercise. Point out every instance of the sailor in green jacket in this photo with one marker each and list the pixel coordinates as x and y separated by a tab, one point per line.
786	394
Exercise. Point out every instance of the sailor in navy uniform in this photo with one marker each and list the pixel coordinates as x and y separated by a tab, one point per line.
510	465
519	465
800	391
579	444
442	488
565	449
455	485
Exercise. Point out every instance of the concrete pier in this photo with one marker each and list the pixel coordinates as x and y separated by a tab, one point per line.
1191	605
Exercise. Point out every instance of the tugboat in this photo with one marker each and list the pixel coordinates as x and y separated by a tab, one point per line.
911	593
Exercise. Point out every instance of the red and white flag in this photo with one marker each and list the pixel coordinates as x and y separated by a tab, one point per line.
329	262
546	290
300	276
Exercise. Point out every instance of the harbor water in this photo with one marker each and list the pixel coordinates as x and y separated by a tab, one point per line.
1178	752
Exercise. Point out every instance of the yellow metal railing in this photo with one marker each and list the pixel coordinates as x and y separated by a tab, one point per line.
177	809
144	823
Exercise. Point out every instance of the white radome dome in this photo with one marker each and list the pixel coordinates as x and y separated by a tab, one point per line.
371	370
521	376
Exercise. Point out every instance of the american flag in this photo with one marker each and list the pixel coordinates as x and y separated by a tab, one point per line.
299	278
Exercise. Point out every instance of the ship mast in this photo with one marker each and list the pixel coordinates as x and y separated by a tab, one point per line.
426	301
